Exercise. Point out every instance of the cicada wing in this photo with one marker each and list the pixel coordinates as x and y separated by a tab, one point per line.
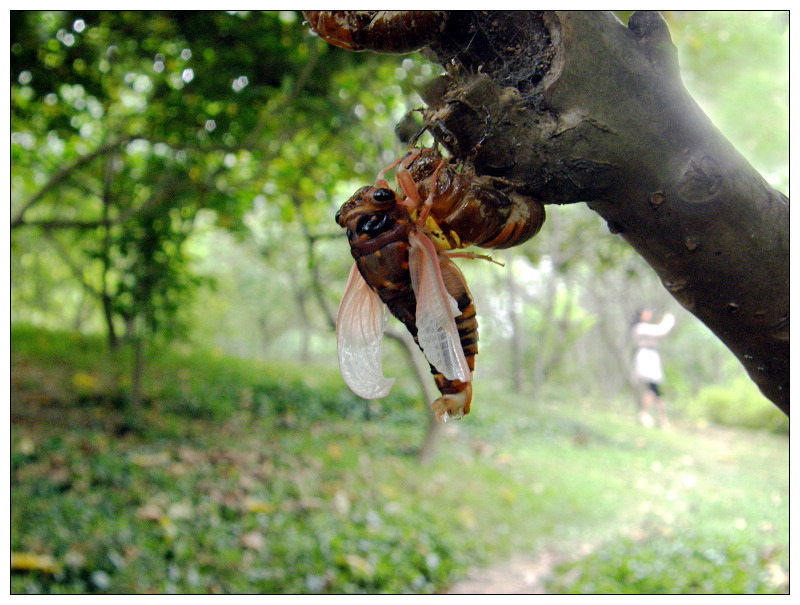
436	311
360	324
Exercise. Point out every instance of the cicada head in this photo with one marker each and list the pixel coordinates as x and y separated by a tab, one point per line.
373	219
367	199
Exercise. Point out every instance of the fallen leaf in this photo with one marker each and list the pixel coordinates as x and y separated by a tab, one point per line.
74	558
508	495
156	459
335	451
777	576
190	456
257	505
390	492
149	512
252	539
101	579
341	502
28	561
503	459
359	564
467	517
84	381
26	446
177	469
181	510
248	482
169	527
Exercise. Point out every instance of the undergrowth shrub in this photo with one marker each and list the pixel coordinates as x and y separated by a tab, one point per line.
738	404
676	564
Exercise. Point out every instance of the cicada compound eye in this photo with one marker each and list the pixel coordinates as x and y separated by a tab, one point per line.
374	224
383	195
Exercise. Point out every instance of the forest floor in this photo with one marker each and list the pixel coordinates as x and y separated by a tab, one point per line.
229	480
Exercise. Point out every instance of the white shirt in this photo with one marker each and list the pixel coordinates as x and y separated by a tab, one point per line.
647	362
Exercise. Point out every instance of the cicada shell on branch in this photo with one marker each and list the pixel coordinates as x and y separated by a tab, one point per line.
381	31
401	246
462	209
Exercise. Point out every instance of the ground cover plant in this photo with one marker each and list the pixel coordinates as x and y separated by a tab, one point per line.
238	478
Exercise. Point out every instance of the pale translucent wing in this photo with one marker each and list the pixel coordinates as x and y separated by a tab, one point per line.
360	324
436	311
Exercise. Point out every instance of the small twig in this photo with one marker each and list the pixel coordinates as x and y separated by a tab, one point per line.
63	174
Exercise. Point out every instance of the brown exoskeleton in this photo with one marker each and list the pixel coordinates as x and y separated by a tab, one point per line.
398	265
381	31
400	245
461	208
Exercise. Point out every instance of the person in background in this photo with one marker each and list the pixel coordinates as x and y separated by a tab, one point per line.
647	368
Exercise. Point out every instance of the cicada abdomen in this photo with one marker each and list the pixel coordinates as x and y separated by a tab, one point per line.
397	266
381	31
457	395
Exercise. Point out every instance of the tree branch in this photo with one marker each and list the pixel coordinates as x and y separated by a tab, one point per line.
575	106
63	174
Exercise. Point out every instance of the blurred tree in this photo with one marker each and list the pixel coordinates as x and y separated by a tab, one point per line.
126	125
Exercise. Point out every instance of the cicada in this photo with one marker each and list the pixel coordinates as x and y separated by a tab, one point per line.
381	31
398	266
460	208
402	246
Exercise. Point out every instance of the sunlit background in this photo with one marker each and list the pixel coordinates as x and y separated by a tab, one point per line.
178	422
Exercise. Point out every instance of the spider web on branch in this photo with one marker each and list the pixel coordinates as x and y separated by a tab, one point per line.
513	47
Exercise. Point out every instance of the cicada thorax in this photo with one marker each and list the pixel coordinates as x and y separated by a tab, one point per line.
377	230
472	210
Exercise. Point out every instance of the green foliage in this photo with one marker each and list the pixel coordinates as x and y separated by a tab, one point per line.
186	166
738	403
736	65
244	478
127	126
75	370
692	562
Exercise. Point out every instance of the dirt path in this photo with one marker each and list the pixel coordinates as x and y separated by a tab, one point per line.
519	575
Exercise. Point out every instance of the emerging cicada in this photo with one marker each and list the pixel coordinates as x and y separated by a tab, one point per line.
400	248
398	265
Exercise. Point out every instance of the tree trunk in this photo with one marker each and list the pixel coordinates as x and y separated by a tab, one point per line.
433	430
105	297
574	106
137	372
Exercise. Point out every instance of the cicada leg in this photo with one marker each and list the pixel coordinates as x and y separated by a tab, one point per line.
409	158
471	255
381	181
412	200
426	206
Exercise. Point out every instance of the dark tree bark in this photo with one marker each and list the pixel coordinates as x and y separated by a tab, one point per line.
574	106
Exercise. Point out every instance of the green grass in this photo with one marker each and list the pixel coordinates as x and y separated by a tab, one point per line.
240	478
